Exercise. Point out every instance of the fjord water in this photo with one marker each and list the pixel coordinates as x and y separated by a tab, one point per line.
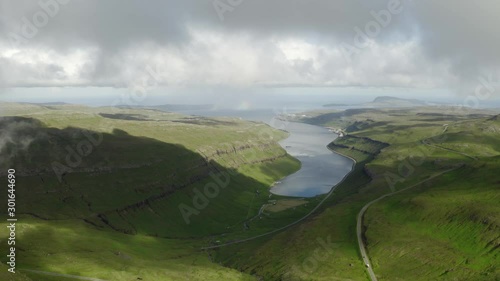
321	168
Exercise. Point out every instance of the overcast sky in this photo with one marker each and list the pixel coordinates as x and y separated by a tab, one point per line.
235	44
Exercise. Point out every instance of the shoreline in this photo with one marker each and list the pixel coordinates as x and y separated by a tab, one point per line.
333	184
327	196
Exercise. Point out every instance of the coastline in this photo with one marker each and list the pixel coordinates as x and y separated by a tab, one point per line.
327	196
305	182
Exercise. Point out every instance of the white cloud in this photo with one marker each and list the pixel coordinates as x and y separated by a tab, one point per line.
281	42
215	58
47	67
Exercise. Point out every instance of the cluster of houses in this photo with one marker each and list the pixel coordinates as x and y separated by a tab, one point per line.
339	132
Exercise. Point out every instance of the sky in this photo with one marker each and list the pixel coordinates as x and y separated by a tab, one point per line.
202	50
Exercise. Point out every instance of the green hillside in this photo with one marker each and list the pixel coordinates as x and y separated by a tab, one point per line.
131	178
160	186
445	229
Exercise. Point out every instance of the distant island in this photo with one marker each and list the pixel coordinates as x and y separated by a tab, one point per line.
393	101
384	101
173	107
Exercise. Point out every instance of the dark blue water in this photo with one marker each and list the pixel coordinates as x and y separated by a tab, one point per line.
321	168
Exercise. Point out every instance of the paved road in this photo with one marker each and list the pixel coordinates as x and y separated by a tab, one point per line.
362	249
359	224
62	275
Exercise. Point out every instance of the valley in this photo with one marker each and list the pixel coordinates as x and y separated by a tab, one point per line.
150	194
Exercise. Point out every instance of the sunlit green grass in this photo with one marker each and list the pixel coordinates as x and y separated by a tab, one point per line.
446	229
134	182
72	247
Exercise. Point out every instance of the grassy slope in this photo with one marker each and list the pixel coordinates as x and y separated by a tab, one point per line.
297	253
454	220
136	180
446	230
7	276
71	247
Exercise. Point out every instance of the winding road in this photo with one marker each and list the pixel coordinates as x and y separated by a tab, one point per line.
359	224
